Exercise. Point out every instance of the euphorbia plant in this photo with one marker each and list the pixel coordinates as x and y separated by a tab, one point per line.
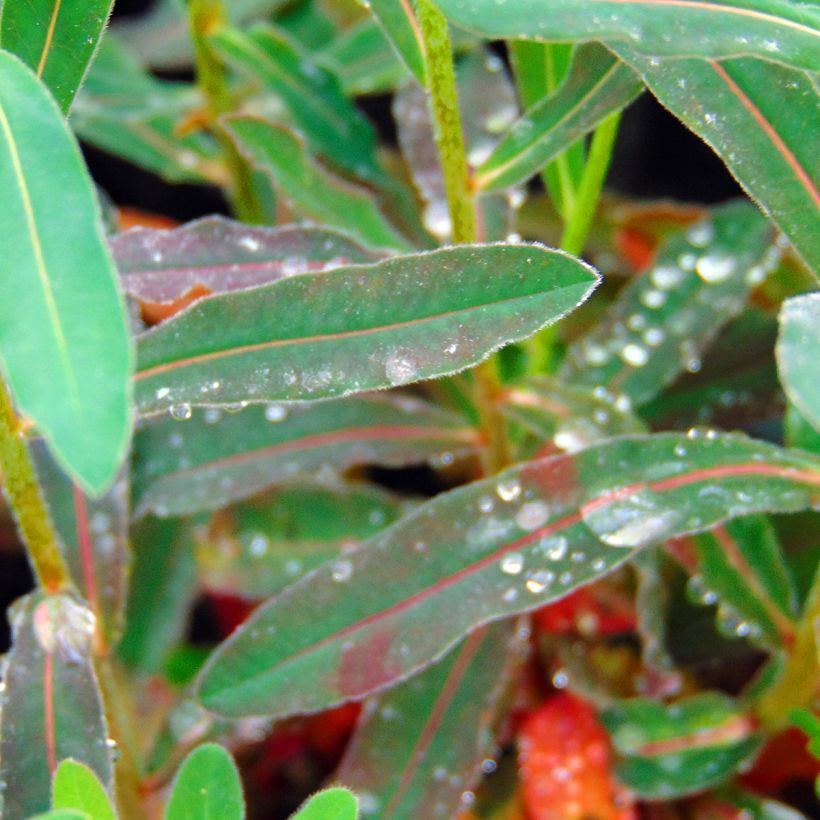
611	611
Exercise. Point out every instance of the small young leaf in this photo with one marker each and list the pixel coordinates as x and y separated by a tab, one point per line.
662	322
357	328
211	460
331	804
673	750
798	346
206	787
777	30
418	747
51	704
76	787
496	547
56	40
597	84
64	343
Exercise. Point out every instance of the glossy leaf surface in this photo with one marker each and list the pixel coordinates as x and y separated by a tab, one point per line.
313	190
51	691
221	255
797	354
75	786
418	747
93	534
759	117
357	328
56	40
597	84
493	548
256	549
330	804
778	30
211	459
206	787
73	377
673	750
661	323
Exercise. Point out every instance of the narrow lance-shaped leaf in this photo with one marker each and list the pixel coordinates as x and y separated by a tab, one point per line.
256	549
597	84
64	343
75	786
651	603
93	535
420	746
491	549
56	40
206	786
357	328
778	30
798	345
661	323
310	188
760	118
673	750
399	23
51	703
211	460
220	255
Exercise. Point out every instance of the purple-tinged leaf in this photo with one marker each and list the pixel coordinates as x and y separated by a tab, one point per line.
51	704
597	84
211	459
778	30
93	536
798	354
420	746
222	255
357	328
760	118
668	751
491	549
257	548
661	323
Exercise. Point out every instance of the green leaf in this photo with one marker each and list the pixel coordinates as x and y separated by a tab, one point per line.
75	786
206	787
210	460
741	567
759	117
331	804
65	349
398	22
778	30
93	534
357	328
662	322
163	587
312	189
418	747
797	349
56	40
597	84
62	814
732	801
673	750
51	702
330	123
125	111
491	549
256	549
222	255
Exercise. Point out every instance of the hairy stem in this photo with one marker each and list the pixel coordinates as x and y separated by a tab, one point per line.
27	503
441	86
206	16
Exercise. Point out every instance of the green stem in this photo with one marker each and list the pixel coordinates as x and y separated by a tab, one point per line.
441	86
206	16
27	503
